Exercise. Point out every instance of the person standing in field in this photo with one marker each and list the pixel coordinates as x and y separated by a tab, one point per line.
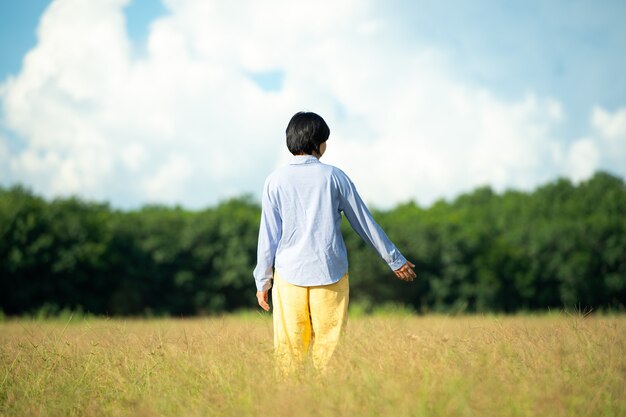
302	251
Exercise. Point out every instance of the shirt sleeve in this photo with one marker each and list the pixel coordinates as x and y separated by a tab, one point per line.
270	231
365	226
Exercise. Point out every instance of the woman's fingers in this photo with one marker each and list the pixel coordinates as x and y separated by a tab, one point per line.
409	275
261	297
405	272
411	272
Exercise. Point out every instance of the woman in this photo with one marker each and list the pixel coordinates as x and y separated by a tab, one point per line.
301	247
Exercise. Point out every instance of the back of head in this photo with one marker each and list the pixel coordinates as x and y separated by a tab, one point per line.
306	131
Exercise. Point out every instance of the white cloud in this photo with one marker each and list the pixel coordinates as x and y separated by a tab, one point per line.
604	149
582	160
185	123
610	128
169	180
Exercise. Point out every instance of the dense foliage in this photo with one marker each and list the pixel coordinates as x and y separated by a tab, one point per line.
562	245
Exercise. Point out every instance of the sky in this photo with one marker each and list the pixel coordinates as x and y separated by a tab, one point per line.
186	101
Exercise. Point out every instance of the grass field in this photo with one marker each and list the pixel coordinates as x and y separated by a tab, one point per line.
553	365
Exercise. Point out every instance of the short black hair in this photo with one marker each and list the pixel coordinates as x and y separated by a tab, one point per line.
306	131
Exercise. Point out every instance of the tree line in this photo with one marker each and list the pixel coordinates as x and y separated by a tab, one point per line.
561	245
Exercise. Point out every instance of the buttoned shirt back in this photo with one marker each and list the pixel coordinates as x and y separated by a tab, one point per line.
300	233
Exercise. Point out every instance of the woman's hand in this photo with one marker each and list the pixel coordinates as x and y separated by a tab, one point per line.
262	299
405	272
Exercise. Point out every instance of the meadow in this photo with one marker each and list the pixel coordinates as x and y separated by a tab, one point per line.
388	365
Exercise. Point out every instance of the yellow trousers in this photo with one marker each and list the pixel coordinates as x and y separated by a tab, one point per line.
307	318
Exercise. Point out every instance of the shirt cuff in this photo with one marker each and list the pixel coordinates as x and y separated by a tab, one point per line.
397	263
265	285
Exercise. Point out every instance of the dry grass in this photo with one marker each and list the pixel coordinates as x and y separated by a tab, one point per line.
388	366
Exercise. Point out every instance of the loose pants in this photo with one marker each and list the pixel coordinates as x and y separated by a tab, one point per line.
308	318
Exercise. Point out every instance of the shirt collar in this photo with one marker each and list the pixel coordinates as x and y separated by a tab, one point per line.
303	159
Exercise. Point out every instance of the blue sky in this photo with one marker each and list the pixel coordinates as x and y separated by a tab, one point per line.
18	23
571	50
144	101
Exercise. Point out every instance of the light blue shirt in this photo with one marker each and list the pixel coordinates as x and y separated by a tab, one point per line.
300	232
